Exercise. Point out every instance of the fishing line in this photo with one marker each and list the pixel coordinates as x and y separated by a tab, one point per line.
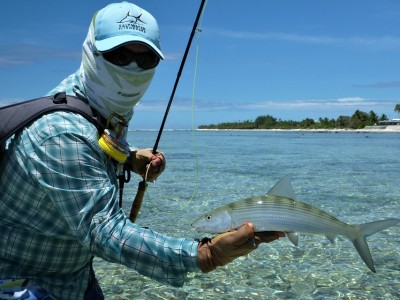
194	139
193	98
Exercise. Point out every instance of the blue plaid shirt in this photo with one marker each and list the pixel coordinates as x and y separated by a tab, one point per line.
59	207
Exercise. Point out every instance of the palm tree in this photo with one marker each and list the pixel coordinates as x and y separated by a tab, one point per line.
397	108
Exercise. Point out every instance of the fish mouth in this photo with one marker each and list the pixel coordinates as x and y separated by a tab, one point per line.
198	229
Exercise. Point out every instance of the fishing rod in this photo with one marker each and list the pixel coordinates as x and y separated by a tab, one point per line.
178	76
137	202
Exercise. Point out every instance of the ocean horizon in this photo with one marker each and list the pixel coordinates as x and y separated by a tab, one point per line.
381	129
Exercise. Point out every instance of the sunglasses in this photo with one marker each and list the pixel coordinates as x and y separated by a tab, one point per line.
122	56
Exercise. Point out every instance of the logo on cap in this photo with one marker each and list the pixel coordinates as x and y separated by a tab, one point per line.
130	22
131	19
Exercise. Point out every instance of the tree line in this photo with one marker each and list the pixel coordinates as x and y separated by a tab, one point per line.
358	120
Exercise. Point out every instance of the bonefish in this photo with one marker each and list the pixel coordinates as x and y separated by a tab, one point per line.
278	210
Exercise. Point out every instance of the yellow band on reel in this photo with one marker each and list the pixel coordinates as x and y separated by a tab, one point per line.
113	147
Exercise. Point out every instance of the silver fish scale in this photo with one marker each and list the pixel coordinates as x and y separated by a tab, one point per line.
275	213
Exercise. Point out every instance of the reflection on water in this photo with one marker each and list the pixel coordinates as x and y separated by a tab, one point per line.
348	175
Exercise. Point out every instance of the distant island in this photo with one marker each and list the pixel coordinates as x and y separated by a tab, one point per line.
358	120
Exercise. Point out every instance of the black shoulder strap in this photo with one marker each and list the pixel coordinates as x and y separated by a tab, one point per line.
17	116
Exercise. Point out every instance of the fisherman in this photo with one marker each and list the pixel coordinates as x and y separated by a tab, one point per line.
59	197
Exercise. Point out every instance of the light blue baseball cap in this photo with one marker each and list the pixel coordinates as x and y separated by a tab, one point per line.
121	23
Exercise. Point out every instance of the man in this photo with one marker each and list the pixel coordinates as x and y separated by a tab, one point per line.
59	197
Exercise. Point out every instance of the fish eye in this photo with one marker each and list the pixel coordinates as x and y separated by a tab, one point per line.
208	217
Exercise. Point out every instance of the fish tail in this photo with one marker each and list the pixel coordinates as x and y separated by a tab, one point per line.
368	229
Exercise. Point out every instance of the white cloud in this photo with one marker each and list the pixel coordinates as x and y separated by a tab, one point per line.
356	102
350	100
381	42
315	104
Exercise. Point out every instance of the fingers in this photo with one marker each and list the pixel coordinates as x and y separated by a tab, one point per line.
157	166
243	238
267	236
157	159
225	235
238	237
245	235
157	163
148	165
227	246
245	232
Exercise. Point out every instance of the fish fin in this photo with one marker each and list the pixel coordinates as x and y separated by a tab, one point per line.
331	238
283	188
368	229
294	237
252	241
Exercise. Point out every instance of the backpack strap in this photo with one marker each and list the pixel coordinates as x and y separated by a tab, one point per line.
17	116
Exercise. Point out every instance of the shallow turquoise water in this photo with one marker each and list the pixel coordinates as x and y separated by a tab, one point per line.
353	176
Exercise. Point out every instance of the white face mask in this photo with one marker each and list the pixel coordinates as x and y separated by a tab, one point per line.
111	88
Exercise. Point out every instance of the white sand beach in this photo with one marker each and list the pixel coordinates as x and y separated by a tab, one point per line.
376	129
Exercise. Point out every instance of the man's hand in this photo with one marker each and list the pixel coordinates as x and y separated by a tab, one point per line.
144	162
228	246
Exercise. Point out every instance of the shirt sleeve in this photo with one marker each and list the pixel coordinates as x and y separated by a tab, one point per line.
80	181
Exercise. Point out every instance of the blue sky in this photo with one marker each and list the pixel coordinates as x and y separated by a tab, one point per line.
289	59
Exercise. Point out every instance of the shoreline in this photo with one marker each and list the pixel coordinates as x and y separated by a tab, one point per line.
370	129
